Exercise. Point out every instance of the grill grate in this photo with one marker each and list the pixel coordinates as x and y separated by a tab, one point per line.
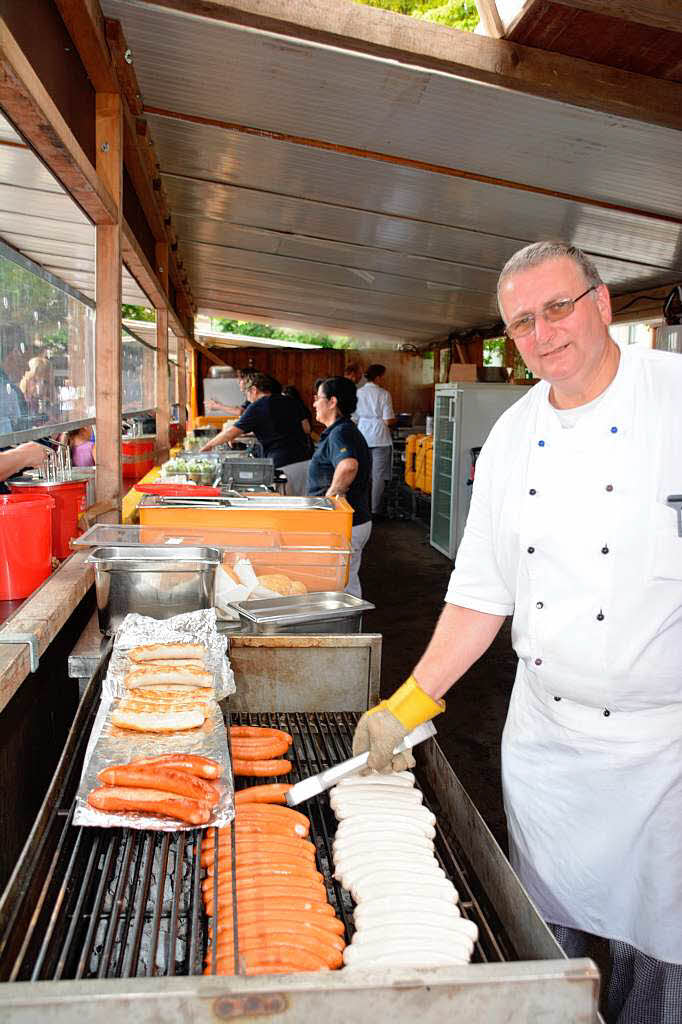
121	903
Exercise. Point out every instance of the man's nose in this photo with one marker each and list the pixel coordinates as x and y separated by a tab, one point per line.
544	330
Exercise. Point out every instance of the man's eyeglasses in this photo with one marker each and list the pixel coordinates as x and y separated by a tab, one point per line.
552	312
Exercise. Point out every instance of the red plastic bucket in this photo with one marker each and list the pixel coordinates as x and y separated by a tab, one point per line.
25	543
70	504
137	457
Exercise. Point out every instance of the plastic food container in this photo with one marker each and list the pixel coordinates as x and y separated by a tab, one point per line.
25	543
310	613
156	581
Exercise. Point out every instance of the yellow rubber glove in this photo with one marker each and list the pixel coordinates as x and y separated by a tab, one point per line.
383	727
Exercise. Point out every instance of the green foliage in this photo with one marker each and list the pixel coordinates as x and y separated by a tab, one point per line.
493	351
266	331
129	312
461	14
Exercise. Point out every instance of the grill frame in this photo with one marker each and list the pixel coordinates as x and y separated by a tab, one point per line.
320	746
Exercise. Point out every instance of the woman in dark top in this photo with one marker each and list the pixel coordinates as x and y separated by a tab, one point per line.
341	464
272	418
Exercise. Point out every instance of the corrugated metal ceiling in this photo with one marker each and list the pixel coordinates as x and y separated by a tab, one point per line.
282	230
41	221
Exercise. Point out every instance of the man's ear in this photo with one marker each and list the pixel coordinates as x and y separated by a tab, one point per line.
603	300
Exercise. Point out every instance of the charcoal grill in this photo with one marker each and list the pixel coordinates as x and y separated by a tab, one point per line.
108	915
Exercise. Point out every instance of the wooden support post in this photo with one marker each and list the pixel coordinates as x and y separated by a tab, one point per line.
108	392
182	385
162	393
193	395
162	397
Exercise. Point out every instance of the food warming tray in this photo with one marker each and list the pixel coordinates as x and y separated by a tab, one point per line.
321	612
157	581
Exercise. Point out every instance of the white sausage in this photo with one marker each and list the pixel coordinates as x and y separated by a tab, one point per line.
404	903
414	812
365	824
409	860
379	779
381	840
392	883
376	793
417	935
407	920
389	952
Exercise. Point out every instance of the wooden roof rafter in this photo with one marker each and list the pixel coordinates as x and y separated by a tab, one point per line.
108	63
479	58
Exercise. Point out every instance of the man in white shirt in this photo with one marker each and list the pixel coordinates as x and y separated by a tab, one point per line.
375	417
571	531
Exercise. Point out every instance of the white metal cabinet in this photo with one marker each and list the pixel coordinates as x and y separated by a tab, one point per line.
462	419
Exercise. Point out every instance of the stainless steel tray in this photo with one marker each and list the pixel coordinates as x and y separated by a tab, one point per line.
324	612
280	502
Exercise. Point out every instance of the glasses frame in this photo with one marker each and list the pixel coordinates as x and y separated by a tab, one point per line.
509	329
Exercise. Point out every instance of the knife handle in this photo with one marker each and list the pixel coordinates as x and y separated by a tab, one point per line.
338	771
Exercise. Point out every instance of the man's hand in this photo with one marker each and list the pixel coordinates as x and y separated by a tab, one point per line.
382	728
32	454
380	732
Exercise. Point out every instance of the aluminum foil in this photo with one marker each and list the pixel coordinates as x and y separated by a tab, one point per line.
192	627
110	745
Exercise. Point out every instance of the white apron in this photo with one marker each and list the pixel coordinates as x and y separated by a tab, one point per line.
592	781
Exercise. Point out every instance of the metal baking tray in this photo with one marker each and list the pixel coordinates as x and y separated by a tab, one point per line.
324	612
157	581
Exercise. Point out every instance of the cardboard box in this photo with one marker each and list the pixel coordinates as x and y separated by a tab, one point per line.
462	371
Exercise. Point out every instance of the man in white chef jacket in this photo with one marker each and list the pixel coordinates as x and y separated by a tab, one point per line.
569	530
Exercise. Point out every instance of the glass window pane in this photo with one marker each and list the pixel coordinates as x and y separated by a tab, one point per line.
47	353
139	374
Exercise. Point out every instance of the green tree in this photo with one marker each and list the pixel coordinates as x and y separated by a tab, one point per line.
267	331
461	14
129	312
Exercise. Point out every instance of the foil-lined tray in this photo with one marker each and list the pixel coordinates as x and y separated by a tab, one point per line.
192	627
110	745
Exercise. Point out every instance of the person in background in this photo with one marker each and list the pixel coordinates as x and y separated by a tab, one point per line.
375	417
213	405
37	386
306	416
273	419
355	372
82	446
13	408
341	464
571	530
30	455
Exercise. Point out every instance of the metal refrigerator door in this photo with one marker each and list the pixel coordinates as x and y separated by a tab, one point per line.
444	488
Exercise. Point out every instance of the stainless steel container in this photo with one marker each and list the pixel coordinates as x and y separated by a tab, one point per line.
323	612
155	581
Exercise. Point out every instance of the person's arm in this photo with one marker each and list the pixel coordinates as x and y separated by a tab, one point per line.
231	410
21	457
226	436
461	636
389	417
344	474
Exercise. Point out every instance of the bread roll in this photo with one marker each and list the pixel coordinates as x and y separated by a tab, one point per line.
153	652
173	721
278	582
150	676
298	588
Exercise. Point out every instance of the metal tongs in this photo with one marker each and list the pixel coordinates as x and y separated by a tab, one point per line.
57	467
317	784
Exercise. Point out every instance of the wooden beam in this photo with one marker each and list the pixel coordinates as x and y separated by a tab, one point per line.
123	59
162	396
140	267
662	14
490	20
108	396
422	45
85	24
182	384
33	112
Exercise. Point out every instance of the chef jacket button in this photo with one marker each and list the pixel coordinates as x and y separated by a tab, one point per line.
540	604
609	487
541	444
531	551
606	712
605	550
532	491
614	430
600	616
538	661
557	698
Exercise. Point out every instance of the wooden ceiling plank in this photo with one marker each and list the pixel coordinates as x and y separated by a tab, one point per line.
661	14
421	44
85	24
26	101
